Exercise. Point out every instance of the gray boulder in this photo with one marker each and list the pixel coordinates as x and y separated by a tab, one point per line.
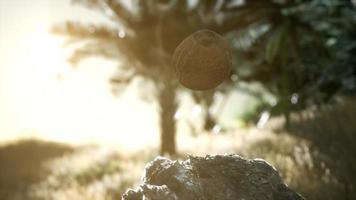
220	177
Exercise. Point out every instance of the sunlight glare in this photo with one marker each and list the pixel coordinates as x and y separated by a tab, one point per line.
79	108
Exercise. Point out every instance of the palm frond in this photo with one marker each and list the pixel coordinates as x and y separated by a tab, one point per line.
85	32
244	39
93	49
113	9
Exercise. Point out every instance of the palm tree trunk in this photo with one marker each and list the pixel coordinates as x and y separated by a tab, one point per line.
209	120
168	108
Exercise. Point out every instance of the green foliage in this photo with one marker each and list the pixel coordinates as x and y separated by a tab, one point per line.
296	47
252	114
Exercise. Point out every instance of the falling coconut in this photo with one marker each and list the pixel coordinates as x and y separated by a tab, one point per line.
202	61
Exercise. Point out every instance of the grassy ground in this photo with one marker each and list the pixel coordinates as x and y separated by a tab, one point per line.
21	164
315	157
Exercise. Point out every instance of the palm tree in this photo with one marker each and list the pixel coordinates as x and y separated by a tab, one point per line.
278	40
145	38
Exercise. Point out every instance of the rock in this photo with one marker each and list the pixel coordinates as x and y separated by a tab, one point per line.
220	177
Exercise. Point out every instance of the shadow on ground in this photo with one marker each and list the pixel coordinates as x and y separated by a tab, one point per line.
20	164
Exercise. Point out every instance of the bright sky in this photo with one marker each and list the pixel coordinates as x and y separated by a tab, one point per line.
79	107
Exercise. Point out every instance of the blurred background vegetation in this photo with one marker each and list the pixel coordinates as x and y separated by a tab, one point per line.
294	63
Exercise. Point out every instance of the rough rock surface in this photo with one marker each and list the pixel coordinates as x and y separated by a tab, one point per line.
220	177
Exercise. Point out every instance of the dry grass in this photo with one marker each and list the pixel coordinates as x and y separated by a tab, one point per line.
315	157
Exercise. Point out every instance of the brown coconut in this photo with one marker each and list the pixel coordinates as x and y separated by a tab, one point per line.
202	61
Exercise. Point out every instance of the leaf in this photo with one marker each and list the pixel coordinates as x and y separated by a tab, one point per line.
275	41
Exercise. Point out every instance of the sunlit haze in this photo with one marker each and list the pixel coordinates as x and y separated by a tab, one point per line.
95	94
42	96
